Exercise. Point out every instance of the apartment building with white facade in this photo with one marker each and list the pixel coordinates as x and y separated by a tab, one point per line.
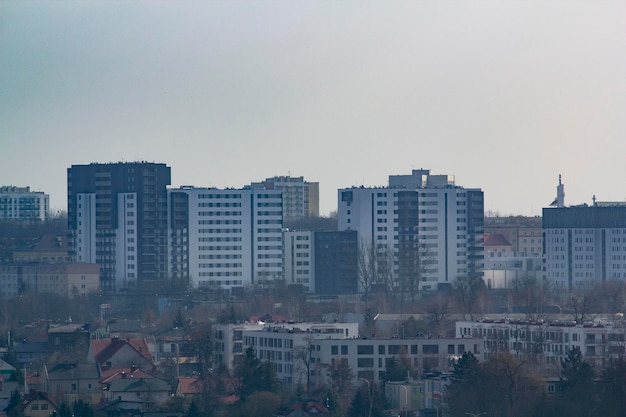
288	346
225	238
424	219
547	342
300	198
20	203
368	357
299	259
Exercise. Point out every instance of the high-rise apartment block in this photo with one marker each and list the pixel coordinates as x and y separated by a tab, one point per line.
433	227
584	244
300	197
20	203
299	256
117	217
225	238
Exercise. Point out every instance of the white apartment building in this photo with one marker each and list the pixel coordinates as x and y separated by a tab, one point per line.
368	357
299	260
547	342
420	216
228	338
300	197
120	256
288	346
20	203
225	238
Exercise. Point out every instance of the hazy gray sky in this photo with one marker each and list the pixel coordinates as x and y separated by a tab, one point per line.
505	95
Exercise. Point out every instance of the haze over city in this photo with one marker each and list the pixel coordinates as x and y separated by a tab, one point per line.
503	95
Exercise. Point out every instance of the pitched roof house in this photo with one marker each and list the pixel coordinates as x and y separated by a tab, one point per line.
120	353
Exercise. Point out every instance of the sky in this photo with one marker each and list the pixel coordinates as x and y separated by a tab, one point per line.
505	95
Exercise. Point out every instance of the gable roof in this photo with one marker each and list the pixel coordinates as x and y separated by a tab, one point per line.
31	347
495	240
6	368
74	371
33	396
103	350
124	326
139	385
189	385
111	374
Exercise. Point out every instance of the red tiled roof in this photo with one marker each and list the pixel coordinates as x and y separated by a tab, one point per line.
112	374
495	240
189	385
105	349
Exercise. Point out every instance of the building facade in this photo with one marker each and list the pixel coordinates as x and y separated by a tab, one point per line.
300	198
117	217
64	278
547	342
433	227
585	244
368	357
225	238
299	259
289	347
336	262
20	203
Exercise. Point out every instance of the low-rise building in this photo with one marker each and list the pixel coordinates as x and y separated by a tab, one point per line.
119	353
72	382
68	338
61	278
37	404
547	342
368	357
406	395
288	346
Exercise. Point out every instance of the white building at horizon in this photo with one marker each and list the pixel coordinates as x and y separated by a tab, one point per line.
20	203
300	198
225	238
420	216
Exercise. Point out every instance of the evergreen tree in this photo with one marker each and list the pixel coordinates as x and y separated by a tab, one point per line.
255	375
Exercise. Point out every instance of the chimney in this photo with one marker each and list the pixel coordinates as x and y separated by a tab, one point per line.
123	374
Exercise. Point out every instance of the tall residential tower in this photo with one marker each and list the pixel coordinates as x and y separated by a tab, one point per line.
117	217
433	227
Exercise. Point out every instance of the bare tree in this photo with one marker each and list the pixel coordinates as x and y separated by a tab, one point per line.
438	309
302	363
579	305
376	268
367	267
468	291
531	296
414	264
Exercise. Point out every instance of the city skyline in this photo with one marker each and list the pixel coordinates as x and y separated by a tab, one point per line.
503	95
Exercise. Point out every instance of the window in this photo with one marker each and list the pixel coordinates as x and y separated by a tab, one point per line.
365	350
